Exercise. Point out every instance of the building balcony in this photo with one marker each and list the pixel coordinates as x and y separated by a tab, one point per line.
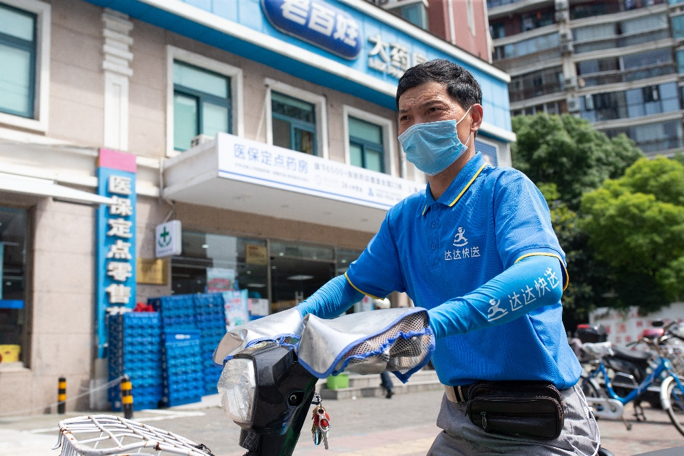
533	92
601	44
548	57
612	77
498	8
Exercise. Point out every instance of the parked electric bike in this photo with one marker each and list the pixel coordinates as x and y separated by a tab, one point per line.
608	403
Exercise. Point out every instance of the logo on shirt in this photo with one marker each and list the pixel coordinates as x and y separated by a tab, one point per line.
460	249
459	238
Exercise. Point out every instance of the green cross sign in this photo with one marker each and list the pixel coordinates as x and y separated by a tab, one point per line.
164	238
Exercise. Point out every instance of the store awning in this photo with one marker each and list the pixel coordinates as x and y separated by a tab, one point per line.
42	187
247	176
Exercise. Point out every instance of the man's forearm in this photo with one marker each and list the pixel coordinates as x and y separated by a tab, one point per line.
532	282
331	300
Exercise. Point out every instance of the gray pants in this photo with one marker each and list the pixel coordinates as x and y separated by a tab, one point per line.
580	435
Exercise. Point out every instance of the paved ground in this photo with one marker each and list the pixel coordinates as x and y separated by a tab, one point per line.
362	427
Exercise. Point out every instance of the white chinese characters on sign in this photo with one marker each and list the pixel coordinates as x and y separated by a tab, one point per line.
321	19
391	58
120	271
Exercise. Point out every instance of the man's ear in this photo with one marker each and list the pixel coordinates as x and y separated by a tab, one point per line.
476	113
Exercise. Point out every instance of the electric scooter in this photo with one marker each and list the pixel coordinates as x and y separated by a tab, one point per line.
267	387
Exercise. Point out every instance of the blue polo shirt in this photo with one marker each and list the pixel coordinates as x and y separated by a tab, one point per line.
435	251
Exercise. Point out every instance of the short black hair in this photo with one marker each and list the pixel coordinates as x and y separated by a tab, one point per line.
460	84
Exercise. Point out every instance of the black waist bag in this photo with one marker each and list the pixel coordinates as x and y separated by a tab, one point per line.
519	408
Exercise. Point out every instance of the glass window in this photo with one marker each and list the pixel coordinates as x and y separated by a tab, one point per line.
531	21
646	59
416	14
594	32
677	26
294	123
365	145
641	24
654	137
529	46
13	230
18	57
201	104
298	271
680	61
213	262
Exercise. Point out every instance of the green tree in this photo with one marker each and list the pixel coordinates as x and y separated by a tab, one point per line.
636	225
568	152
565	157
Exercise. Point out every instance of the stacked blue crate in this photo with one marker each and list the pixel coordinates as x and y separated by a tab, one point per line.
177	311
134	347
183	382
210	319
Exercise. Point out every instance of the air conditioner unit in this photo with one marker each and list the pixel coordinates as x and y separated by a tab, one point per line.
200	139
588	102
566	48
562	16
570	83
573	104
566	37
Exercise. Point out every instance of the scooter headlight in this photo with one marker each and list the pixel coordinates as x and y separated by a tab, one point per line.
236	387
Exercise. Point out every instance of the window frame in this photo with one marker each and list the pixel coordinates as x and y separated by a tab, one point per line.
367	145
204	63
41	67
296	124
202	97
388	137
320	112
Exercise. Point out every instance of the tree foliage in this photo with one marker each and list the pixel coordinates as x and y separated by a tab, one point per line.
568	152
636	225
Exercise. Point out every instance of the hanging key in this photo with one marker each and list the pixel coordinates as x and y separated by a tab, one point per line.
321	422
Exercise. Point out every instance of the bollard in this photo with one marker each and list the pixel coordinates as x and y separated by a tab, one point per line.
61	395
127	397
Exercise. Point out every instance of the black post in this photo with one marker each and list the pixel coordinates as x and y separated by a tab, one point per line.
61	396
127	397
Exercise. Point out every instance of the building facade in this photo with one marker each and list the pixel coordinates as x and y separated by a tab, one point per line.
266	130
463	23
615	63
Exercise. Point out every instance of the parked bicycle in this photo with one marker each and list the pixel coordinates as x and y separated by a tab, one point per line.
606	403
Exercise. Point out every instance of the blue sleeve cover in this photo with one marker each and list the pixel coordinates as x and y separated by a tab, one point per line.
502	299
331	300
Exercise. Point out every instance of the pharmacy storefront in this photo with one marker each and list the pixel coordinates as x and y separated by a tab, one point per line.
278	159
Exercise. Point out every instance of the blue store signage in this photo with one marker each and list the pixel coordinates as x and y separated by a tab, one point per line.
318	23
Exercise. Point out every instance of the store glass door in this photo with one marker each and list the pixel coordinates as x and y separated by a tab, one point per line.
297	271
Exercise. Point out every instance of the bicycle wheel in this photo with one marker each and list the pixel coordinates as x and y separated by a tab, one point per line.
589	387
590	390
675	407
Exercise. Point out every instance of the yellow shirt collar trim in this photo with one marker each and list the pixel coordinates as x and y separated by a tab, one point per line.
467	186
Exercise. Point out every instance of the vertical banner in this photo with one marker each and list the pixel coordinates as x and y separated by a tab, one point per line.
116	261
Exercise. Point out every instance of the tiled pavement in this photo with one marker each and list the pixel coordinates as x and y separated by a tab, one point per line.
364	427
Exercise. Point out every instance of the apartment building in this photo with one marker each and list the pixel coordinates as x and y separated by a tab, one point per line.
265	130
616	63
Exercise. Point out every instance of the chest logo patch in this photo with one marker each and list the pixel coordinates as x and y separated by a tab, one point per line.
459	238
460	249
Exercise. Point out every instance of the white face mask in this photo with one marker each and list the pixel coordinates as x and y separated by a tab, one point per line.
433	146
